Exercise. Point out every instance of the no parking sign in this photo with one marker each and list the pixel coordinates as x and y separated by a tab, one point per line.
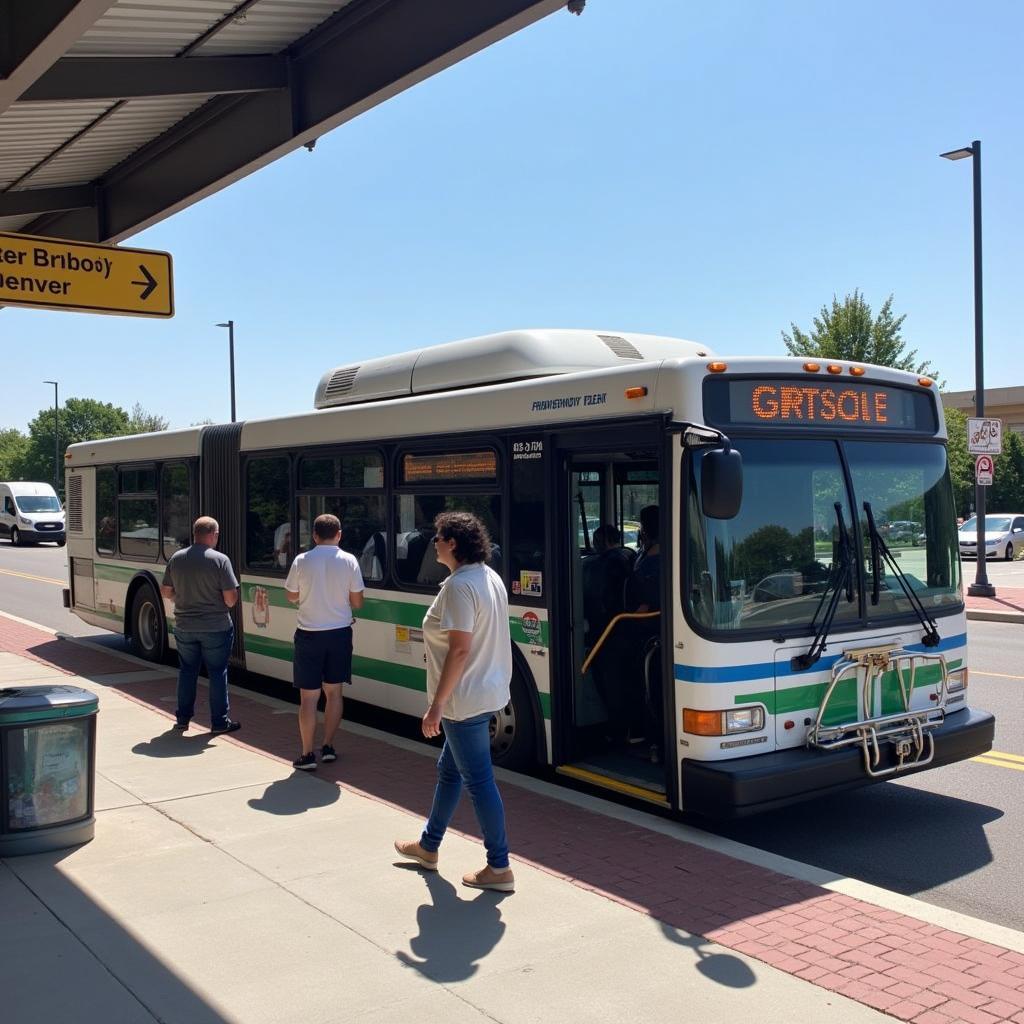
984	470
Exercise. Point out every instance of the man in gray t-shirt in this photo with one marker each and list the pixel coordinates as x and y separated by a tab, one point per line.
202	586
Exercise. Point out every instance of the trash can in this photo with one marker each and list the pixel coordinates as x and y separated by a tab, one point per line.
47	768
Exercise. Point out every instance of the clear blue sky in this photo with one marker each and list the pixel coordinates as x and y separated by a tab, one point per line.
709	171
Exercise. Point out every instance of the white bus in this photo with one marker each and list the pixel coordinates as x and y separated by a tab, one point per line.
796	643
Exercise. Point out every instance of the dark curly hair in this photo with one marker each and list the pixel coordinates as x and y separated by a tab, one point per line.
472	541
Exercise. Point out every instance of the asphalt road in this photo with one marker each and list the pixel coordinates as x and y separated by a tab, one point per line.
951	837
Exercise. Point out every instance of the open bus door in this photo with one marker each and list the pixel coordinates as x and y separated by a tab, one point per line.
609	649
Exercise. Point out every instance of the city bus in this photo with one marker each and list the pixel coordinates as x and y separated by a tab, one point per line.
793	641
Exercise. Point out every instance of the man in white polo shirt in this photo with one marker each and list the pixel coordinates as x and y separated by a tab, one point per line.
327	585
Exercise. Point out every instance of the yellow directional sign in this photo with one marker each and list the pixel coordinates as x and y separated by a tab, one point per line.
52	273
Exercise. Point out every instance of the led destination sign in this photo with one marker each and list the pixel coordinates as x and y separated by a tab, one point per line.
838	405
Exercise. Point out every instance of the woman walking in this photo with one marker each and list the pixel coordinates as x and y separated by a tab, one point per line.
469	669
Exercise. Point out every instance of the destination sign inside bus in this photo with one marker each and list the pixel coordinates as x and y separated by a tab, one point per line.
833	404
450	466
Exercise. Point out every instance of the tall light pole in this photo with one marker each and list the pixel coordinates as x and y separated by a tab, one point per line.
230	325
981	586
56	441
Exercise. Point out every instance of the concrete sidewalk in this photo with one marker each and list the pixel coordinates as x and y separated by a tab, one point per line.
1006	606
223	886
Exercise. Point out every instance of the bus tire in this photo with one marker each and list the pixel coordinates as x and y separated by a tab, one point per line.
148	638
512	729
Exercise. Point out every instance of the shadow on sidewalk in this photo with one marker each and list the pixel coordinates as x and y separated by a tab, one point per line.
47	972
174	744
295	795
454	934
723	968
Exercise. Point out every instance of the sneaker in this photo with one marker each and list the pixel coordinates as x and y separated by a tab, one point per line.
411	850
306	762
491	878
327	753
180	726
228	726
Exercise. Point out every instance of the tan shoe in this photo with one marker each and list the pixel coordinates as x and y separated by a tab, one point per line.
491	878
411	850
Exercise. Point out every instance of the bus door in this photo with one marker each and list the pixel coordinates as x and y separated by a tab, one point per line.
609	690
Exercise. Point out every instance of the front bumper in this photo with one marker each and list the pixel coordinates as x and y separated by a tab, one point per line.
37	536
749	785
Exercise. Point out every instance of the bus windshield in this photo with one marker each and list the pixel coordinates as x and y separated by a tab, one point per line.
770	566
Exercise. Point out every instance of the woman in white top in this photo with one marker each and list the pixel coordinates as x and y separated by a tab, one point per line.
469	671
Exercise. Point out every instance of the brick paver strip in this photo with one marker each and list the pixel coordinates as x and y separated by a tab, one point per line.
1007	599
904	967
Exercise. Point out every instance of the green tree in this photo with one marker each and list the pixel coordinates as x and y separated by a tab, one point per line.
142	422
961	463
12	450
850	331
80	419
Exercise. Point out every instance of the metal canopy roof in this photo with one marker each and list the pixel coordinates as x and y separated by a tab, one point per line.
116	115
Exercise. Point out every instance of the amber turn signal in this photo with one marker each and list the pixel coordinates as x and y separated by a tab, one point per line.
640	392
812	367
718	367
702	723
857	371
925	382
832	368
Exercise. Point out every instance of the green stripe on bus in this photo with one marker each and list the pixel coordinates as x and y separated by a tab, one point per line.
372	668
545	703
406	676
402	613
106	571
843	705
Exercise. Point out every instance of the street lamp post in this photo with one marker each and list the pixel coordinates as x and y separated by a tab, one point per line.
230	325
56	440
981	586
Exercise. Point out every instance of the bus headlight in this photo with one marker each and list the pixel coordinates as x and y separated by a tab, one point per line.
722	723
956	681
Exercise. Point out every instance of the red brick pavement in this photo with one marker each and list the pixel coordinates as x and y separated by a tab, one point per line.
907	968
1007	599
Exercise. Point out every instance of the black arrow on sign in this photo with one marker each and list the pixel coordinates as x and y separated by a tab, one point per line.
148	285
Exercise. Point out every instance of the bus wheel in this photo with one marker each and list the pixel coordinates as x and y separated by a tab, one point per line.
147	639
512	729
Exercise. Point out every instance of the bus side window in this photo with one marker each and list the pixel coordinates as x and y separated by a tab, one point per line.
268	519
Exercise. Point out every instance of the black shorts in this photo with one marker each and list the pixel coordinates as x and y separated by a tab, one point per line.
322	655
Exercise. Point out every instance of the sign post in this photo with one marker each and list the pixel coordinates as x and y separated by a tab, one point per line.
51	273
984	439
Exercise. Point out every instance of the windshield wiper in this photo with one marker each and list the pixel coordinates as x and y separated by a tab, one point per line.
878	545
841	580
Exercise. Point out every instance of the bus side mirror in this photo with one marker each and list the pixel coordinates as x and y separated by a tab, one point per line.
721	477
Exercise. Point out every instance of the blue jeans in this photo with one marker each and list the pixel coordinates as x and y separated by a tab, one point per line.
193	649
466	758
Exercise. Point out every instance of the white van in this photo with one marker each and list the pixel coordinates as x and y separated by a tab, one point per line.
31	512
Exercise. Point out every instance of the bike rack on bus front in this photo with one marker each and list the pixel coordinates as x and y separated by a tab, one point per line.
910	732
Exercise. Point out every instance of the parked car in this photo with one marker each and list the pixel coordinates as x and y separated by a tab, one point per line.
31	512
901	531
1004	536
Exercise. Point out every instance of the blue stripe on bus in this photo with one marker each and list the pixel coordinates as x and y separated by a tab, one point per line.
769	669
